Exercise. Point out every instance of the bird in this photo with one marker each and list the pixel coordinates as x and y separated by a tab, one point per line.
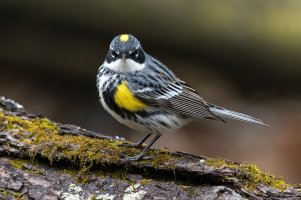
142	93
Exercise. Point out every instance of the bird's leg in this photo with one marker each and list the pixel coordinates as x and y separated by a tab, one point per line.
141	154
138	144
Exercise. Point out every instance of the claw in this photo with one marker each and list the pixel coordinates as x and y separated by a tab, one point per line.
136	157
142	153
133	158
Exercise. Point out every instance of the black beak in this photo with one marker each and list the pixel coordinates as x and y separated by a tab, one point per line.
124	56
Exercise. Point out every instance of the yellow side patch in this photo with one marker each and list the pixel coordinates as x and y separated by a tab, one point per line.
124	38
124	98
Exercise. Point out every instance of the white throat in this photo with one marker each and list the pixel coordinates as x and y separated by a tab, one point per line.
124	66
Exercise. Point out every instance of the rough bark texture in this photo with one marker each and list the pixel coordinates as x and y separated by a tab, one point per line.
41	159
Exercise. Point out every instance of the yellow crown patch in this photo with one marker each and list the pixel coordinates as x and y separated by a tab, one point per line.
124	38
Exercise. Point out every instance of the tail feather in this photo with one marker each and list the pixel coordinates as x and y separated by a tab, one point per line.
222	112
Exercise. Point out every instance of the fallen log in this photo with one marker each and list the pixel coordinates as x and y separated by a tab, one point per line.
43	159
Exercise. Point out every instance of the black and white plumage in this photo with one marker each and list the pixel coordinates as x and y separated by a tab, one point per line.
144	94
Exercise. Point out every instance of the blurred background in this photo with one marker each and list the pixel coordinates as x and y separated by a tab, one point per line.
242	55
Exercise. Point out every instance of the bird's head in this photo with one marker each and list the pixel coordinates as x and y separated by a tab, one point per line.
124	47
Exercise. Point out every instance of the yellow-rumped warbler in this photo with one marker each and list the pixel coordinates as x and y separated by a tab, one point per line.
142	93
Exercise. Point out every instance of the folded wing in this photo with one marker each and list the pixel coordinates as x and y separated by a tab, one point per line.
179	98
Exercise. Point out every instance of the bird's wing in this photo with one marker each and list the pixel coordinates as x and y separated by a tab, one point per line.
159	87
178	97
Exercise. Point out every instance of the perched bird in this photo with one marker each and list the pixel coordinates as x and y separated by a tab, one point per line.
144	94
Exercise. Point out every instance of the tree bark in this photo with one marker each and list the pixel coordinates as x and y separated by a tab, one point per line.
42	159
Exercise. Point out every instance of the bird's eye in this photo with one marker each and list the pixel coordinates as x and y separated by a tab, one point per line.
114	54
134	53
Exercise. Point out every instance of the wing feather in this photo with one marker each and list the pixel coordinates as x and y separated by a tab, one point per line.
180	98
161	88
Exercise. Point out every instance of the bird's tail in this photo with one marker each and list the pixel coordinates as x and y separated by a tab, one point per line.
222	112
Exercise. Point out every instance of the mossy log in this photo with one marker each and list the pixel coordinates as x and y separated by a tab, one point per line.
42	159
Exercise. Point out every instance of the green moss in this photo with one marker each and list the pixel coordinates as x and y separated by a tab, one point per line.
43	134
4	192
119	174
82	151
161	158
23	165
185	187
92	197
19	196
44	138
11	194
145	181
85	176
72	171
78	175
220	163
298	187
17	163
251	174
26	128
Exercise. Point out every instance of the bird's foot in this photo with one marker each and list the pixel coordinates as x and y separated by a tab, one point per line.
136	158
133	158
